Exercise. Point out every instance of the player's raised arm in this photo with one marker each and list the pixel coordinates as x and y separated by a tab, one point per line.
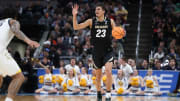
113	24
77	26
15	28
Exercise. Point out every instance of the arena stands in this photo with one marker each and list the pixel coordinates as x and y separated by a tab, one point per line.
165	44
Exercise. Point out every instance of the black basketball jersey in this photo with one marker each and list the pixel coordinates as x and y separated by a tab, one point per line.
101	35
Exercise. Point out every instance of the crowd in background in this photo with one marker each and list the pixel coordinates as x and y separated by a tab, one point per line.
166	33
63	42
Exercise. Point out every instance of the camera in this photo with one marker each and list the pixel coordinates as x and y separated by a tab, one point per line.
165	63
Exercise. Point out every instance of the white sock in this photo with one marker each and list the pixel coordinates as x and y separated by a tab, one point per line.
108	95
8	99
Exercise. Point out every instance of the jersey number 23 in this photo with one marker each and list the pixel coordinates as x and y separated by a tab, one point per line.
101	33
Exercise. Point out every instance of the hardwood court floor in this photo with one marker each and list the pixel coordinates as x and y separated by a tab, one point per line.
90	98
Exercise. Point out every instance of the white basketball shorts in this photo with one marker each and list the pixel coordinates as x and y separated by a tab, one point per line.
8	65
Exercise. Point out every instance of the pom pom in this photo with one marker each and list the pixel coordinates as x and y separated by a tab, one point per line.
149	84
70	82
104	79
120	91
54	81
41	77
59	79
64	87
53	77
94	80
83	82
135	81
41	81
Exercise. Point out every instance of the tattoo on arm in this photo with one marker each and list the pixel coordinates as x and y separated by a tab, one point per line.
15	28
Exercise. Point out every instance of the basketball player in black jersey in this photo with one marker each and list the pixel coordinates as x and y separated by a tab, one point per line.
101	37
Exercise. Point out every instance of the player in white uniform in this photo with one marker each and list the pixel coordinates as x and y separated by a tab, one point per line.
8	29
151	84
120	83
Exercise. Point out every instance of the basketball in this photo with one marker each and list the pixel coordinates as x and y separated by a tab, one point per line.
118	32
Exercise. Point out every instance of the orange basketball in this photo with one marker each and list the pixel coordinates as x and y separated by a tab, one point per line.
118	32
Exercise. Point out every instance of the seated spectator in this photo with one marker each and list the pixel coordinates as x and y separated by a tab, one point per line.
122	12
48	81
157	65
71	82
80	64
46	61
44	53
125	67
172	44
61	63
73	65
151	84
60	43
159	54
162	45
120	83
173	54
172	65
84	81
129	61
144	65
132	63
56	57
136	83
89	63
115	64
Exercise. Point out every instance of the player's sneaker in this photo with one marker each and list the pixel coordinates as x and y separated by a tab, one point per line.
99	98
108	99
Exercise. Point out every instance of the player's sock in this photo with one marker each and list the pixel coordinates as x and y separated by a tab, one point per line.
99	94
8	99
108	94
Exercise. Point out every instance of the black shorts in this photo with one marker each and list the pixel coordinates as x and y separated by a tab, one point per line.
101	59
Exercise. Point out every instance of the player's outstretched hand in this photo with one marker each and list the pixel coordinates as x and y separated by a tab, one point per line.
33	44
75	9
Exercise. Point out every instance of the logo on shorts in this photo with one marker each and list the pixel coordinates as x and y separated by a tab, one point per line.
1	24
111	59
